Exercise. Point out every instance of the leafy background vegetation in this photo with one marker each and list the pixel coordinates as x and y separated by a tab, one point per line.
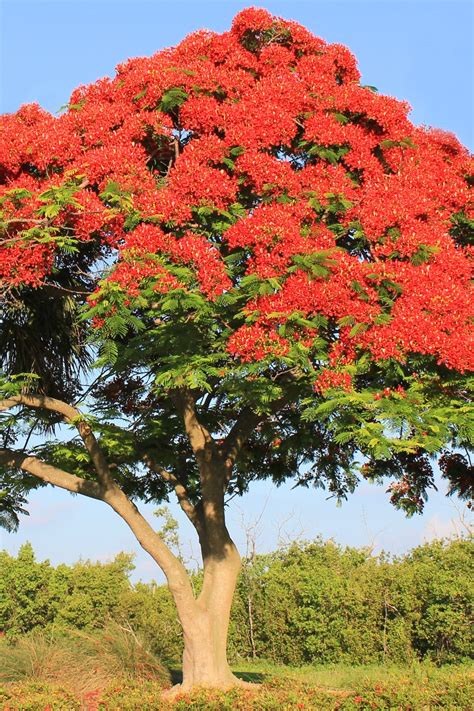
348	628
311	602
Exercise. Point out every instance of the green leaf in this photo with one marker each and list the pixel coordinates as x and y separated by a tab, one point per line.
358	328
140	94
172	99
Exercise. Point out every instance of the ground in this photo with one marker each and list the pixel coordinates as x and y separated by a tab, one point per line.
420	686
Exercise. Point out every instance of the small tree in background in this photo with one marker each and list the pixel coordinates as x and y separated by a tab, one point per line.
231	262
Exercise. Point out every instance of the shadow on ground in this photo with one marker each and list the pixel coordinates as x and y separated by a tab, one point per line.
254	677
176	676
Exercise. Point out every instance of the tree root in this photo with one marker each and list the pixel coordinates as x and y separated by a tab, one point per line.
225	685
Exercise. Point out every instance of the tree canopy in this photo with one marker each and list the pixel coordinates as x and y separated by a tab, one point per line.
239	218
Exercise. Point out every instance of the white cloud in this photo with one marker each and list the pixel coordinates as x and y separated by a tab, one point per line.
437	527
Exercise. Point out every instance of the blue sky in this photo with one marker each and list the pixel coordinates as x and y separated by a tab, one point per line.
417	50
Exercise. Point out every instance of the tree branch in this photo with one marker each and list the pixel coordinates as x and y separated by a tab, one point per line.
245	424
106	489
50	474
148	538
73	416
68	412
199	437
238	435
181	493
213	473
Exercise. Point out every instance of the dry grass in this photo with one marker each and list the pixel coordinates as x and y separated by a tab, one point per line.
79	662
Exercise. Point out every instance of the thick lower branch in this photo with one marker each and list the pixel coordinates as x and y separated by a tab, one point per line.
68	412
151	542
71	415
50	474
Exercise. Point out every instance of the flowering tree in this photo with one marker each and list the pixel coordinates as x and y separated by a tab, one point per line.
231	262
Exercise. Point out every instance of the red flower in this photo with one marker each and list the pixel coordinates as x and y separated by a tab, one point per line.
328	379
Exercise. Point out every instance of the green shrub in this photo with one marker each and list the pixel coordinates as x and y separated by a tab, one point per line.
83	596
310	603
150	610
321	603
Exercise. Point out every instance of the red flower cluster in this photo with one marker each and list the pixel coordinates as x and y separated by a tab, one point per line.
261	142
21	264
256	342
139	251
328	379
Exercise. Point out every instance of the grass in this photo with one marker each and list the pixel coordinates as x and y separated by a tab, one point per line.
114	672
342	676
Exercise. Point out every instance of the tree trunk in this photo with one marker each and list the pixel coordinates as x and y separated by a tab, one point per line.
205	621
206	624
205	653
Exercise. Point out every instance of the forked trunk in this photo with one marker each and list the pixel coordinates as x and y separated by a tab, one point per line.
205	620
206	623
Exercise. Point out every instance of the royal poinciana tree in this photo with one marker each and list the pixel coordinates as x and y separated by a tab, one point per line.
231	262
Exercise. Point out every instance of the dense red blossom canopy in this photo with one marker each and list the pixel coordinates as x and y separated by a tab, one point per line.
268	128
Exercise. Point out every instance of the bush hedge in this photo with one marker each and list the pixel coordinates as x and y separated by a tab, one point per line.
308	603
